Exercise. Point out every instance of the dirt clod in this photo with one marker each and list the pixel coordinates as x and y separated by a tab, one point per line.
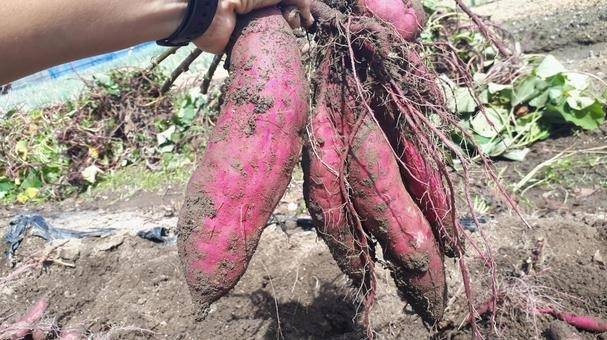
558	330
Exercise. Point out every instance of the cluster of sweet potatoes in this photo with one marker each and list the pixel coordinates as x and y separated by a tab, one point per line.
366	179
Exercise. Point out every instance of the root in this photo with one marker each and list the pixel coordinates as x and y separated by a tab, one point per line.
37	261
206	81
523	296
384	65
368	284
482	27
387	70
183	67
162	57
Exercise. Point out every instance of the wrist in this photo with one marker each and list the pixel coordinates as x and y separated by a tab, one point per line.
198	19
164	17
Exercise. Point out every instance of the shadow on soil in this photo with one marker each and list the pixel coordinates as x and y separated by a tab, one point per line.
330	316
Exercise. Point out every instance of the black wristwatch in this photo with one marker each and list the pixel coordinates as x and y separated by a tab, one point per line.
199	16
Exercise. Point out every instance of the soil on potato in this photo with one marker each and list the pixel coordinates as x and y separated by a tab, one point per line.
293	288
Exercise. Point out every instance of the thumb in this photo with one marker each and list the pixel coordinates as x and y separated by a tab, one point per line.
304	10
292	16
246	6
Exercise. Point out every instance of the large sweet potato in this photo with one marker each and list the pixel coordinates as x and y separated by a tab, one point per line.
390	214
249	159
323	165
424	183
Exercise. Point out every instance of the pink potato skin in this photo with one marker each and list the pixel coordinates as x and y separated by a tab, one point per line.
407	16
249	159
426	187
389	213
27	323
423	182
323	162
584	322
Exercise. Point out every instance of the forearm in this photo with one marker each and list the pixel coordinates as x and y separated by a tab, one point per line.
36	34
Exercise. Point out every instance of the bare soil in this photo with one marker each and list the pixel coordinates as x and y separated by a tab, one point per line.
293	289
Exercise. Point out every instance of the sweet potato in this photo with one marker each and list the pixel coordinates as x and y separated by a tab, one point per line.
323	163
249	159
27	323
425	186
423	182
407	16
584	322
390	214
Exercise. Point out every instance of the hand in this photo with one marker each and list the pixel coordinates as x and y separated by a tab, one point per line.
216	38
296	11
300	8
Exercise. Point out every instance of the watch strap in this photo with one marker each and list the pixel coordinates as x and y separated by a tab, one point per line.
198	18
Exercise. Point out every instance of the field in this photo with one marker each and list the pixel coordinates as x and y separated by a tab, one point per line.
32	93
129	288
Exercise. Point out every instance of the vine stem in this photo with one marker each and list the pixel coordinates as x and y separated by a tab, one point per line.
183	67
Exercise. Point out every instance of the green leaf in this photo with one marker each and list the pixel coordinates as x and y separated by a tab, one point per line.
495	88
166	148
493	147
555	93
589	118
32	180
578	81
484	96
502	146
166	137
517	155
490	123
485	144
549	67
6	186
90	174
186	115
464	101
459	99
22	149
527	90
175	161
27	195
577	101
557	80
430	6
51	174
529	127
107	82
540	101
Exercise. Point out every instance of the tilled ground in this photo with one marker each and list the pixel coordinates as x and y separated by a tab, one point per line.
293	289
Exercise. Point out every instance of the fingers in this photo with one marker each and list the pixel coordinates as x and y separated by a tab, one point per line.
246	6
303	6
304	10
292	16
306	14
